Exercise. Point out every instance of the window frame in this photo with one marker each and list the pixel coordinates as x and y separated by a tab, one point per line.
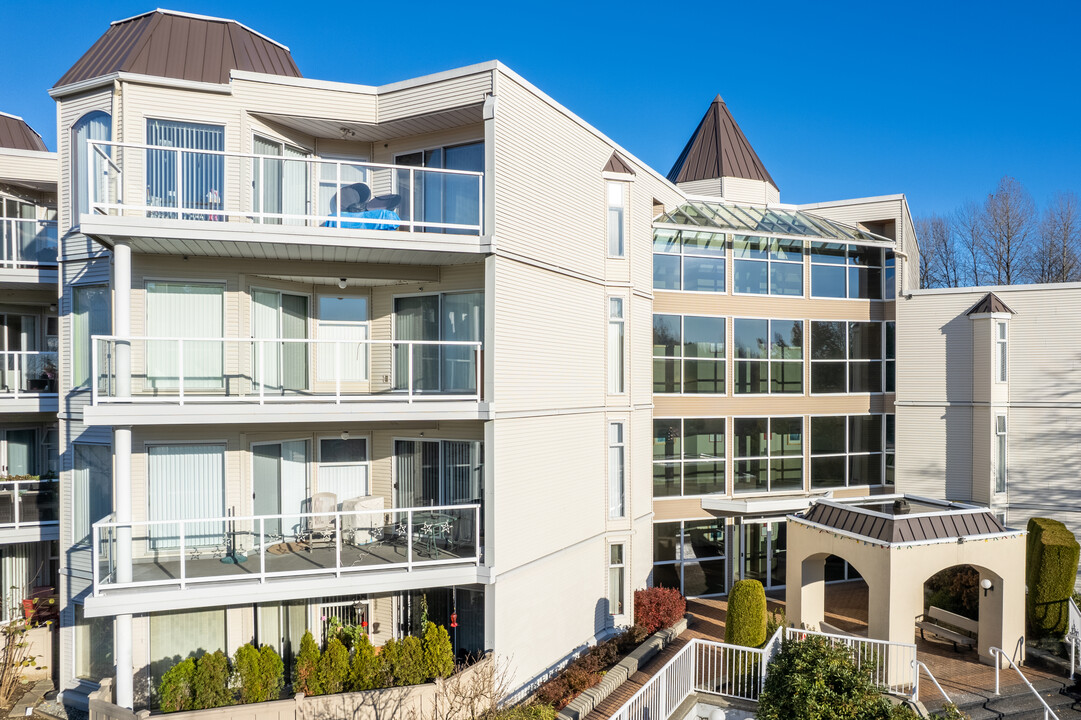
88	351
769	261
617	366
769	457
683	460
848	360
619	252
847	265
681	561
617	469
1002	352
319	463
678	239
682	358
769	360
1002	454
318	322
848	453
621	567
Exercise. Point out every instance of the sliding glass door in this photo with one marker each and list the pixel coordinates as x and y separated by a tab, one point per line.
279	366
763	552
450	317
280	480
437	472
416	318
199	182
281	186
185	310
440	197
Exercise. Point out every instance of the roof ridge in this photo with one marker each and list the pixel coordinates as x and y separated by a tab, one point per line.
197	16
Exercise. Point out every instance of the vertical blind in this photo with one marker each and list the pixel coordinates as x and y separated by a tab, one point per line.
437	472
175	636
23	567
186	482
201	177
185	310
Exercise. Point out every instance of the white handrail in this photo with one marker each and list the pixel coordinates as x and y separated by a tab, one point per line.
11	249
1047	711
15	487
1073	634
916	694
885	654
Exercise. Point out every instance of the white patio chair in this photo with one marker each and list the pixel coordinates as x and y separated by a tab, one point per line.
320	528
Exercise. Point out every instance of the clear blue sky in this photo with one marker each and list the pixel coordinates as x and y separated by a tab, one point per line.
840	99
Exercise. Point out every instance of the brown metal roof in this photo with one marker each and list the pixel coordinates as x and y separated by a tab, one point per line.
717	149
17	135
946	525
185	47
990	303
616	164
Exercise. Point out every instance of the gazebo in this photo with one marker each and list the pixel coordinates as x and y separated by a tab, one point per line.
896	543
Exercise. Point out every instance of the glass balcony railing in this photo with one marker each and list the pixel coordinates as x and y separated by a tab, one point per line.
251	370
32	502
257	548
216	186
27	243
27	372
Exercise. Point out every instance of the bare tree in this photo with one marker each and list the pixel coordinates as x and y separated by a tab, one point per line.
939	261
1058	254
967	229
1008	224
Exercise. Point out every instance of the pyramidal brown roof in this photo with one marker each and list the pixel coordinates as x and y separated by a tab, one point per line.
717	149
990	303
617	164
165	43
17	135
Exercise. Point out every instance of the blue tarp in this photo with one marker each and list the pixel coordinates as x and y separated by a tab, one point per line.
389	218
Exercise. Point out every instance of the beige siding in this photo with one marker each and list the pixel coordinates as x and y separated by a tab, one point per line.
432	97
708	188
983	436
928	331
934	452
69	110
282	99
749	191
39	167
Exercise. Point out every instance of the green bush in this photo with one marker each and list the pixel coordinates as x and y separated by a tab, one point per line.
746	621
411	669
306	667
956	589
272	668
259	673
333	667
438	651
535	711
210	682
774	622
1051	560
366	671
175	690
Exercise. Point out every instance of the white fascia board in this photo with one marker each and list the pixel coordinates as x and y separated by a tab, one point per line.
852	201
992	315
252	413
268	79
998	289
35	154
38	533
762	505
224	594
46	277
105	80
30	404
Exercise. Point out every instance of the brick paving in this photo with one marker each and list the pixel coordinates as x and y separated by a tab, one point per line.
960	673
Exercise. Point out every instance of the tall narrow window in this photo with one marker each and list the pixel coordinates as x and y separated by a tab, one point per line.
90	316
616	210
617	505
92	488
616	332
1002	352
89	164
616	578
1000	453
891	357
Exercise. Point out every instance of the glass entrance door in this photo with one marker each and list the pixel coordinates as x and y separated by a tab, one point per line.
762	552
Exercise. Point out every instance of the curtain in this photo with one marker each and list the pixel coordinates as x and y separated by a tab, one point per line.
265	324
185	311
202	176
268	179
186	482
92	488
20	451
92	126
462	321
461	473
295	185
294	487
175	636
266	479
281	186
294	355
417	473
92	315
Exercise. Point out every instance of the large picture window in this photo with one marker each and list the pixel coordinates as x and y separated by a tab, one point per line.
847	357
767	266
846	271
685	260
345	320
198	184
847	451
688	354
689	555
688	456
768	454
768	356
184	482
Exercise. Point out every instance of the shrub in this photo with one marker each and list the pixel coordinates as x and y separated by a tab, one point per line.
175	690
333	667
411	668
438	651
306	667
366	671
210	681
535	711
259	673
774	622
631	638
391	654
956	589
746	621
1051	559
272	670
657	608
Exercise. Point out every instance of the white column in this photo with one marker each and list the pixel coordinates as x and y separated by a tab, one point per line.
122	316
125	695
125	690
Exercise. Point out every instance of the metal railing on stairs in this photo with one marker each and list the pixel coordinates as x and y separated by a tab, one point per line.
1048	713
1073	635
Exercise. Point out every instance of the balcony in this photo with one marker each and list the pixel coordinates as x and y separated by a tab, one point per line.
199	380
27	252
29	510
188	202
208	561
28	381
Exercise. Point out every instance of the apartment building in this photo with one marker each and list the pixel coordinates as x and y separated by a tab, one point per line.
28	370
336	350
774	360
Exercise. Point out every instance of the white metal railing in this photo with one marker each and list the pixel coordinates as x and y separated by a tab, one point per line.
257	548
27	372
1047	711
892	665
916	693
257	370
27	243
29	503
1073	635
216	185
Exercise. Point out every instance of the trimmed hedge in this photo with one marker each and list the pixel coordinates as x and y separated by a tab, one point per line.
1051	559
657	608
210	681
260	673
746	621
306	667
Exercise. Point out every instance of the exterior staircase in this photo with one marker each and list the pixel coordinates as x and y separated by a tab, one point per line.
1018	703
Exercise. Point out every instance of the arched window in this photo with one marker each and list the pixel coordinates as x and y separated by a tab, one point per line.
96	125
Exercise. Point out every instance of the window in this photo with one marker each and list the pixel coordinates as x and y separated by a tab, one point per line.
768	454
185	310
280	186
768	356
688	456
846	271
92	488
1000	453
438	472
92	315
847	357
889	277
617	203
688	354
344	320
891	422
891	357
191	174
439	197
616	579
343	467
846	451
185	482
183	634
616	471
1002	352
615	345
457	317
93	646
767	266
96	125
685	260
689	555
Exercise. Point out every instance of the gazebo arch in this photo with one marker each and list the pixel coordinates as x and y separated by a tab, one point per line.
897	543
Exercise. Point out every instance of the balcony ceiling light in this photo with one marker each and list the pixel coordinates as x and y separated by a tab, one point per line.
345	434
342	283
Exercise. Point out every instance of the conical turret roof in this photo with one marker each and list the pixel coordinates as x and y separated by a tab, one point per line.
718	149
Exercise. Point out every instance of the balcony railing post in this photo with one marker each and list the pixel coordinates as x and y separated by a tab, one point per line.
91	186
477	360
17	371
262	550
412	200
262	368
338	545
179	181
94	551
180	367
411	347
17	502
259	191
409	538
338	372
338	191
183	556
476	534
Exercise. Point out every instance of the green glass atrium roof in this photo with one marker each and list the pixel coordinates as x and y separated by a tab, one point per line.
763	221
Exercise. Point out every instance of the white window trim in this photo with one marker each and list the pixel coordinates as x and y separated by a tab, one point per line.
366	463
1002	345
609	566
1002	465
681	561
768	457
769	262
846	266
847	360
621	320
624	192
848	453
622	444
316	320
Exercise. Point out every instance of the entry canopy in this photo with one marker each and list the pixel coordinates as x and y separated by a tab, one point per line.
764	221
